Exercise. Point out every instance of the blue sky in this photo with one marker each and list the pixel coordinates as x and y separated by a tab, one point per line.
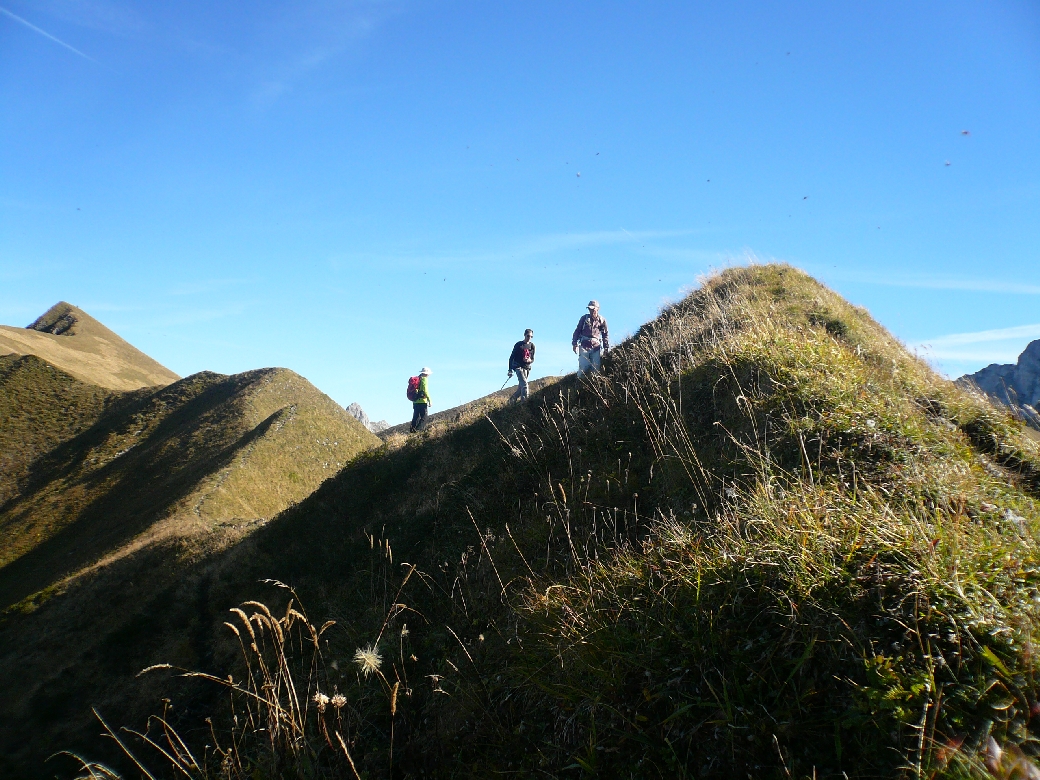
356	189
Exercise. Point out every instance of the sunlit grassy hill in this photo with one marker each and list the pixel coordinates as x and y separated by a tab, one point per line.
766	541
73	341
206	451
96	481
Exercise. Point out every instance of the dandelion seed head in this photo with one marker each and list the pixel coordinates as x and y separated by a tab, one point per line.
368	659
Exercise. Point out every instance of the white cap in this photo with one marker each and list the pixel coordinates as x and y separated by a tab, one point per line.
425	372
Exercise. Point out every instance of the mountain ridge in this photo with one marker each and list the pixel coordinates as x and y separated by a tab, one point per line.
761	526
1015	385
70	339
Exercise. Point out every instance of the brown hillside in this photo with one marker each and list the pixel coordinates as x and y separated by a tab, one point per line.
75	342
205	452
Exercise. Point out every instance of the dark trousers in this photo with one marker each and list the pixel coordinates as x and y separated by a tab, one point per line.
418	417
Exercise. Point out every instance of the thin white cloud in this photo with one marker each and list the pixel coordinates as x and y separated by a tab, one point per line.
46	34
331	28
114	18
940	283
1000	334
1001	345
268	92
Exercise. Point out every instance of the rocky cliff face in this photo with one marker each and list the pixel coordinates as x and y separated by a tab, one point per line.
1015	384
359	414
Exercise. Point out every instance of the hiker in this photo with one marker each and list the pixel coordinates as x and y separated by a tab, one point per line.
419	395
520	360
590	339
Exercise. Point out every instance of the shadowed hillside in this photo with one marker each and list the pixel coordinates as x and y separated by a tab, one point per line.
765	542
127	489
72	340
204	451
40	407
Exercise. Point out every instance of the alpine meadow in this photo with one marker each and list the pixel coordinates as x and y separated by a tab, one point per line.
765	541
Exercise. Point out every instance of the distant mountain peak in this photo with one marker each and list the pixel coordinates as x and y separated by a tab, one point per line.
358	414
1016	385
60	319
70	339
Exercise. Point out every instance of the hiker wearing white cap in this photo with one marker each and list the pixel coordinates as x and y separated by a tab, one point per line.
520	360
590	340
419	395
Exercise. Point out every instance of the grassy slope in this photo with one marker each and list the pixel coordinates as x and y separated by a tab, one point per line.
161	478
40	407
206	450
76	343
766	541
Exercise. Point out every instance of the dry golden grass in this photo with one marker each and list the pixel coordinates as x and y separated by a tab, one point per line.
88	351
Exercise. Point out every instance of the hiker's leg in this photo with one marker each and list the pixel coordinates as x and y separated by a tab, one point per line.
417	417
595	358
421	410
521	391
583	361
516	396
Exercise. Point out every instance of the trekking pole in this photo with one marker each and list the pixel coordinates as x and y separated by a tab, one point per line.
503	387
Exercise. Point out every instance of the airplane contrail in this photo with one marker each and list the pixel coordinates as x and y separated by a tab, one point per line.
46	34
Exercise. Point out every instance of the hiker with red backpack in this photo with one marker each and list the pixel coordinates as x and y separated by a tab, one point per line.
419	395
590	340
520	360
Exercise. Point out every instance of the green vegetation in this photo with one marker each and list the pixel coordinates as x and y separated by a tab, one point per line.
117	497
40	407
765	542
206	450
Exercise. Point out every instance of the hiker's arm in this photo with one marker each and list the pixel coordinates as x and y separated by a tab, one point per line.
577	334
606	337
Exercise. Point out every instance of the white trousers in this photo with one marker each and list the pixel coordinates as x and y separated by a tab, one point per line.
588	360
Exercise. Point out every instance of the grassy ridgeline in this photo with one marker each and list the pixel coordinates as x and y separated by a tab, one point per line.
765	542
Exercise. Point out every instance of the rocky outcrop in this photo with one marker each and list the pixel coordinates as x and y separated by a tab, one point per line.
359	414
1014	384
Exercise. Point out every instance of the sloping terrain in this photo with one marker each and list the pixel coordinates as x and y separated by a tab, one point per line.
1016	385
766	541
73	341
204	451
40	407
128	489
439	421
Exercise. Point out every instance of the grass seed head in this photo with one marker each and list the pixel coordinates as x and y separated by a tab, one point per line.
368	659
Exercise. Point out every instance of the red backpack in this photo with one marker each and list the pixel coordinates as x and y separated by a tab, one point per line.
413	388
